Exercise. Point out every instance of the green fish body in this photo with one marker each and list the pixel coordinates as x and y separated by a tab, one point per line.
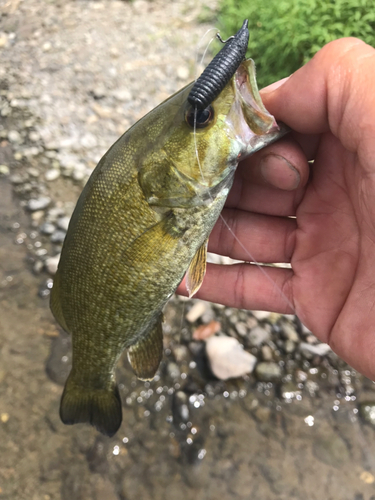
142	222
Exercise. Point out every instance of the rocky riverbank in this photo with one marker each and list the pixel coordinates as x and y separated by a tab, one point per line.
74	76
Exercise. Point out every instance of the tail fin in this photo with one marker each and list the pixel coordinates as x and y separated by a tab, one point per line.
98	407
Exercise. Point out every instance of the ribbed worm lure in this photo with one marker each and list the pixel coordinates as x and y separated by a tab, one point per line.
220	70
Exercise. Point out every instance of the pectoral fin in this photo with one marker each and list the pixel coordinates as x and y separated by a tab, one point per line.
197	270
146	354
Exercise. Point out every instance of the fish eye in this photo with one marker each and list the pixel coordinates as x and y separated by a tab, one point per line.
203	116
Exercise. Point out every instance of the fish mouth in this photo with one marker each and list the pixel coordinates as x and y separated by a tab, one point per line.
250	122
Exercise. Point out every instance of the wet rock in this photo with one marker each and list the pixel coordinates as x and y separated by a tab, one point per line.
367	412
38	204
258	335
268	372
227	358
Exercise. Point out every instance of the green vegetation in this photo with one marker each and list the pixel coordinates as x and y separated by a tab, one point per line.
285	34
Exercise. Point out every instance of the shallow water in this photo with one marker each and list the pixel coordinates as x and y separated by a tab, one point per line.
188	436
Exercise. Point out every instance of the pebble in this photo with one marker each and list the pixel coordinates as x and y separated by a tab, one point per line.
33	172
58	236
267	353
52	174
47	227
78	175
183	72
289	346
197	310
37	216
314	350
290	332
14	136
38	204
261	315
268	372
34	136
173	370
4	170
241	328
63	223
180	352
54	213
227	358
123	95
51	264
258	335
205	331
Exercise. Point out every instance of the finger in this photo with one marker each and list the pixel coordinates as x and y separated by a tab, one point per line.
262	199
261	238
282	165
247	286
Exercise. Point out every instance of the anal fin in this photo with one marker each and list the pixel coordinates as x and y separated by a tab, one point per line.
146	354
197	270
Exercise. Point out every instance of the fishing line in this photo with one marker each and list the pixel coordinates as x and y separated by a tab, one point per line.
197	63
247	252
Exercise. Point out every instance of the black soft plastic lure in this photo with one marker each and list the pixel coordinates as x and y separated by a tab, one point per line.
220	70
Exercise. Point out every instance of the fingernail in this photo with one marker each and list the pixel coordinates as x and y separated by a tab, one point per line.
274	86
279	172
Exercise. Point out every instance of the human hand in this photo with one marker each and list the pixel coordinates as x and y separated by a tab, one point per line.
330	104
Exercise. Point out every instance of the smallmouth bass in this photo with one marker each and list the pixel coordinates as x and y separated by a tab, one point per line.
143	221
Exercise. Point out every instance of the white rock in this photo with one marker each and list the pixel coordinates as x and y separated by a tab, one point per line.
227	358
52	174
261	314
63	223
51	264
199	308
316	350
258	335
39	203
